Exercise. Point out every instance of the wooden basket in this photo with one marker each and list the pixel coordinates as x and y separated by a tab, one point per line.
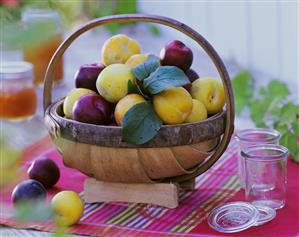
178	153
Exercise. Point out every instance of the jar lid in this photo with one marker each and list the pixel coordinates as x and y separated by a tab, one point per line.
237	216
266	214
233	217
265	152
16	70
258	135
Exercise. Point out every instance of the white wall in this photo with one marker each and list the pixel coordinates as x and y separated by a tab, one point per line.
260	35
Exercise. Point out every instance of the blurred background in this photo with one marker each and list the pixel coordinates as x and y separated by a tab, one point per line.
258	35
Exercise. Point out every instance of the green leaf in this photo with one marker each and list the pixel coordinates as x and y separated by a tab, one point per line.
113	28
135	89
289	140
33	211
240	104
163	78
126	6
288	113
243	90
154	30
61	234
284	140
278	89
296	157
262	91
144	69
257	113
281	128
295	126
140	124
276	112
268	107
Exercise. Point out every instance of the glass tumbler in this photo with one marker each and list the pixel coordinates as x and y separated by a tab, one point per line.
40	54
18	99
251	137
265	179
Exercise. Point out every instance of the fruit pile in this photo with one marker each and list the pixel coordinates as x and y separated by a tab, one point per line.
140	92
43	174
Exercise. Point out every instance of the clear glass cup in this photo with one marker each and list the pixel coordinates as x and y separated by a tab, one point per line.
18	99
265	175
251	137
40	54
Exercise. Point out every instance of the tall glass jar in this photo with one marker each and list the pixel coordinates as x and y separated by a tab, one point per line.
39	55
265	179
251	137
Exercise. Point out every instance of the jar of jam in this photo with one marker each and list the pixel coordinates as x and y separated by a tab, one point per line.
40	54
18	99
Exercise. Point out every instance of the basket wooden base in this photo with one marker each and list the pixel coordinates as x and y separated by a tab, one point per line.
162	194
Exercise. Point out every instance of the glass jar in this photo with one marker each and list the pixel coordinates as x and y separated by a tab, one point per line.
40	55
18	99
251	137
265	179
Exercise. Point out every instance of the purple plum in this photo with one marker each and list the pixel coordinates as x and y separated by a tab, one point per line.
92	109
87	75
28	190
45	171
176	53
192	75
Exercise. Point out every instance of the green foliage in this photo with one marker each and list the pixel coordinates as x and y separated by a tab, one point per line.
295	126
242	85
140	124
165	77
33	211
143	70
9	159
135	89
72	11
269	107
61	234
9	14
154	30
69	10
17	36
95	9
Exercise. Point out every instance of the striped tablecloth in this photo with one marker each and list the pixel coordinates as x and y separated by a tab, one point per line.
215	186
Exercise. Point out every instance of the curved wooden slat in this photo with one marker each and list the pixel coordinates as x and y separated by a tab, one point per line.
117	165
193	155
75	155
160	162
111	136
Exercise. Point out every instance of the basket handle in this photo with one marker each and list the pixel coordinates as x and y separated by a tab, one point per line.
126	18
